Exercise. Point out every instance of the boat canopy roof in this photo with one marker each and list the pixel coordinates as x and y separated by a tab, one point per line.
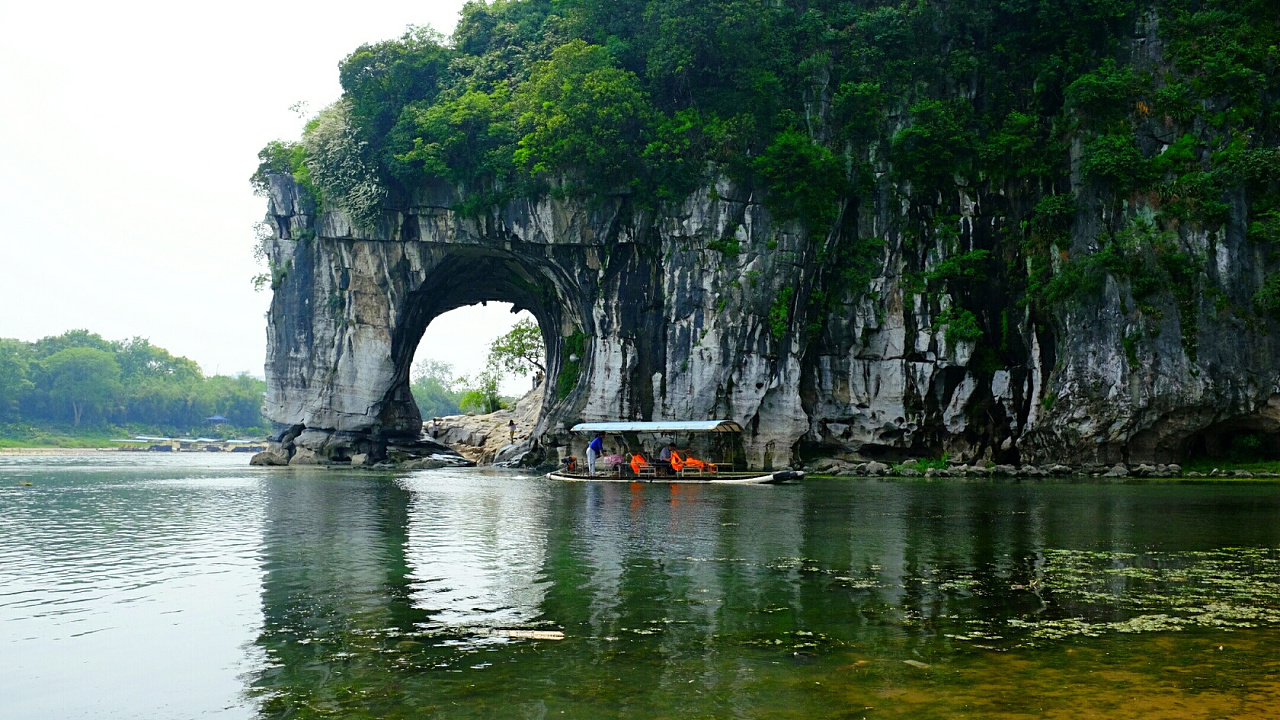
664	426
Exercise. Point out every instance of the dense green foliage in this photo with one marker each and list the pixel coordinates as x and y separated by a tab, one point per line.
435	390
819	103
520	351
637	93
80	381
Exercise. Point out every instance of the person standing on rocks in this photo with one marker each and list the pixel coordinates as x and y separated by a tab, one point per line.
594	450
511	428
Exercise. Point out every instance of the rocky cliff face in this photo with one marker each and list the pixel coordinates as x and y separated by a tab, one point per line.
702	313
716	310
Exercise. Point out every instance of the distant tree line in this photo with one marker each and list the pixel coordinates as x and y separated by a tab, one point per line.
82	381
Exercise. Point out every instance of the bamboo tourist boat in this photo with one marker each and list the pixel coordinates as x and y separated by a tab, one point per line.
683	469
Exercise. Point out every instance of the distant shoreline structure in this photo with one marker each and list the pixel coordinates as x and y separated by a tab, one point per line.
185	445
144	443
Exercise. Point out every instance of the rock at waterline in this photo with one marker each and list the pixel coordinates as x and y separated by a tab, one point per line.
274	455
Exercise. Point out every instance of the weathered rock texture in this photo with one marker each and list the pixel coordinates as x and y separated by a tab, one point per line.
715	310
487	438
643	319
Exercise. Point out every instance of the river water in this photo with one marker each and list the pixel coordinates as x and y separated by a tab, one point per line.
190	586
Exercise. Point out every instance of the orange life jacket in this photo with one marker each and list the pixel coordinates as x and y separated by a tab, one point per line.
637	462
696	464
677	463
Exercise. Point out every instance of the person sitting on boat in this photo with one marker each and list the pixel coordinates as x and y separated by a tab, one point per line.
594	450
664	457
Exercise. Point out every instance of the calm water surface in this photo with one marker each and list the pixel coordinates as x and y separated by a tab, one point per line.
140	586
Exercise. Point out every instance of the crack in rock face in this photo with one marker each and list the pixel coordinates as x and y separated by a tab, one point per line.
653	316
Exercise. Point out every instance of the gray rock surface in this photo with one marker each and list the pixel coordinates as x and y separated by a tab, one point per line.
275	454
710	309
877	468
484	438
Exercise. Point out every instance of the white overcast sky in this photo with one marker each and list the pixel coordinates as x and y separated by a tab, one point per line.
128	131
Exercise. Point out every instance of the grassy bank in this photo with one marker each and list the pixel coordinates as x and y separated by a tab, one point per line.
22	435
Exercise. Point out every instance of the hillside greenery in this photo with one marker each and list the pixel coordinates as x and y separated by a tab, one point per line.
79	385
818	103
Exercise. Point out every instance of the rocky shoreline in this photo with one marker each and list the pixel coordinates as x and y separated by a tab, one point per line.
979	469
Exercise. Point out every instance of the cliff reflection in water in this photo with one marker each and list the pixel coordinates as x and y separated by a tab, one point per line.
380	594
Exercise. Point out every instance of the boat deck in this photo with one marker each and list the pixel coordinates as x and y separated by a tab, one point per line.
723	478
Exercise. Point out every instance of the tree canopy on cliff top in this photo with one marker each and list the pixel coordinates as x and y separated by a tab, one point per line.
648	96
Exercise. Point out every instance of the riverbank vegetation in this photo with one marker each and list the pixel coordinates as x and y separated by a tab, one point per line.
78	389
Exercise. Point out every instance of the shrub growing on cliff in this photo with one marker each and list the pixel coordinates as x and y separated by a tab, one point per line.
581	116
1053	215
966	266
805	180
468	139
780	313
1102	97
381	80
937	145
1116	160
341	166
573	355
961	325
1267	299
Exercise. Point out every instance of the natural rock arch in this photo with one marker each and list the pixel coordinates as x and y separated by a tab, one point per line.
631	320
469	275
708	310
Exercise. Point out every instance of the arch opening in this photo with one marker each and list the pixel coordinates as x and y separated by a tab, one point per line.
476	275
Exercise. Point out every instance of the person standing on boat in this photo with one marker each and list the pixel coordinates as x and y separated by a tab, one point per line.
594	450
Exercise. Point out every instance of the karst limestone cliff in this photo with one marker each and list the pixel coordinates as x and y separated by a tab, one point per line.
701	313
1116	301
